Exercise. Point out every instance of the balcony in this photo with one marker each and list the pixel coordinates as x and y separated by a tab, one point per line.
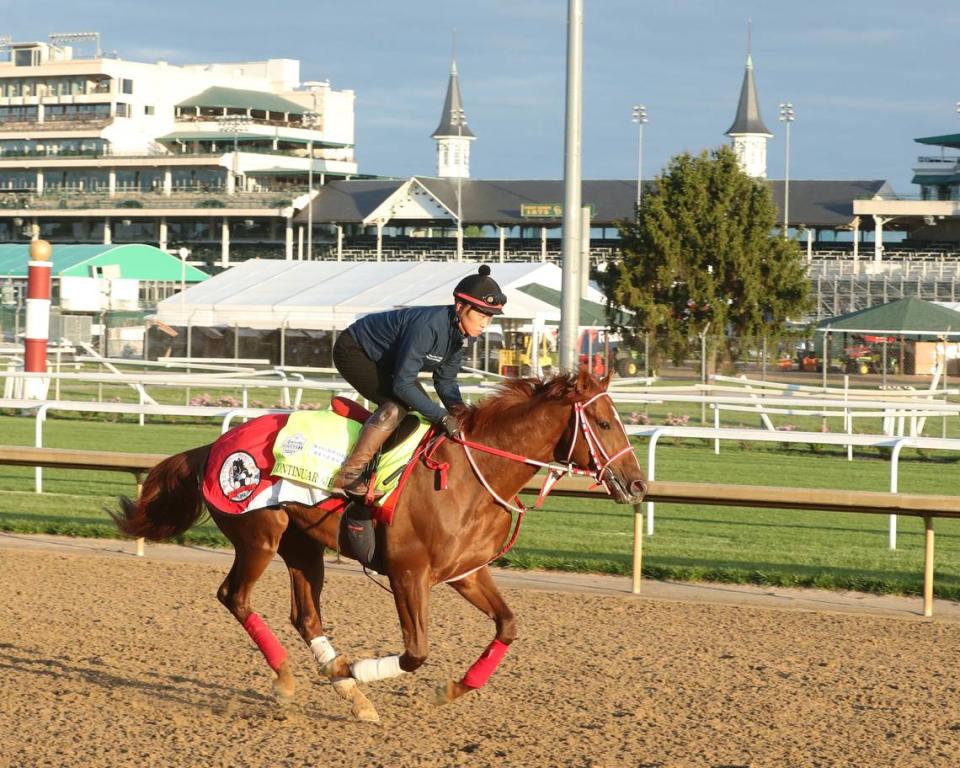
56	123
130	201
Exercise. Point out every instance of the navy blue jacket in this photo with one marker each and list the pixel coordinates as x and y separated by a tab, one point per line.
411	340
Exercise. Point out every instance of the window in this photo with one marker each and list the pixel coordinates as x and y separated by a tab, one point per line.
28	57
126	86
148	110
123	110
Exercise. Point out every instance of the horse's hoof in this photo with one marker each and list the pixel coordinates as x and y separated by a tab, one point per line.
449	691
344	686
363	710
360	705
284	686
443	694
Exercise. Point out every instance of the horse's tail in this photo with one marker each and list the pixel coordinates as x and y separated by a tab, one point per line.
170	501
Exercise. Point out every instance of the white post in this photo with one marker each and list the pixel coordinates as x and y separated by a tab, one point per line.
502	244
339	242
225	243
288	240
878	222
856	245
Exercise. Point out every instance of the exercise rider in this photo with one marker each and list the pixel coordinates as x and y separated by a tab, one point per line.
381	355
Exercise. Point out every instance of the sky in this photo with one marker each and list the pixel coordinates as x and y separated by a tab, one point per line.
865	77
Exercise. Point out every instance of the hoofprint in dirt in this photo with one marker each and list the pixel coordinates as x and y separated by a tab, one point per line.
115	662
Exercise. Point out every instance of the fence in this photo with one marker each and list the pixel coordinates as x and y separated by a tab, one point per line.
926	506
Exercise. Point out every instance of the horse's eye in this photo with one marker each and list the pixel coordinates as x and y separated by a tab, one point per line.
603	424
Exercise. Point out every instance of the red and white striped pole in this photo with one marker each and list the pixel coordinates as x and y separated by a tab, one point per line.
38	318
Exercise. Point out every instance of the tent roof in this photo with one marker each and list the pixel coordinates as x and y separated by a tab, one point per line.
326	295
136	261
905	317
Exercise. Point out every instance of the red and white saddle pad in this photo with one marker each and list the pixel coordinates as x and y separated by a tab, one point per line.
238	468
238	477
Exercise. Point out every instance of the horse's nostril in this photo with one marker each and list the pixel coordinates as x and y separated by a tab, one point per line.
638	488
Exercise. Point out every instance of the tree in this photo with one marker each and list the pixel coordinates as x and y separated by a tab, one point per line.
705	255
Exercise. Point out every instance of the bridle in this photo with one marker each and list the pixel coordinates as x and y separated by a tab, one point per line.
600	459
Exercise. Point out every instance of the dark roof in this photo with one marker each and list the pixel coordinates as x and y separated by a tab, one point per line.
812	203
821	203
451	104
910	316
748	118
236	98
482	202
951	140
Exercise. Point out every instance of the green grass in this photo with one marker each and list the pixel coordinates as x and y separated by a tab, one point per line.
773	547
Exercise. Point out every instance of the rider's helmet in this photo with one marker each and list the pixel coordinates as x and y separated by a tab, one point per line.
481	292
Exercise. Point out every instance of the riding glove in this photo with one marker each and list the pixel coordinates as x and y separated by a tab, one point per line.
451	426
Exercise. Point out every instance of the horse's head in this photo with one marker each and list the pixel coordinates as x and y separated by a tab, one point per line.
598	441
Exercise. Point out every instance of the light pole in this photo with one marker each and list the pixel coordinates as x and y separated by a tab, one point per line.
234	124
310	120
786	117
639	117
458	117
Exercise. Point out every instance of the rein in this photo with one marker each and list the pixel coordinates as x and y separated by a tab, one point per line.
555	471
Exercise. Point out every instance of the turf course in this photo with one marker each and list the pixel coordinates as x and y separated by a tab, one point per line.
775	547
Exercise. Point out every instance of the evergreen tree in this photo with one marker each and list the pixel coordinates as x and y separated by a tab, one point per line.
706	255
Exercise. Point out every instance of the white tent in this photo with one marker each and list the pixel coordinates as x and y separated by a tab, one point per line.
321	295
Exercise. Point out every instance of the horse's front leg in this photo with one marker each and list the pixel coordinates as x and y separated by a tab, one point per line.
411	593
479	590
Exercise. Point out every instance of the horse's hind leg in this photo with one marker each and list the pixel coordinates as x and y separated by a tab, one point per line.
255	537
479	590
304	559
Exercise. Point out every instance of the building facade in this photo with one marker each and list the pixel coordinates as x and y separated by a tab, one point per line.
209	156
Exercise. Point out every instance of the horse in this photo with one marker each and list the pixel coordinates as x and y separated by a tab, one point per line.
442	532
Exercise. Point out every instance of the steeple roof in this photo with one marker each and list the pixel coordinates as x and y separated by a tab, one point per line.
451	106
748	118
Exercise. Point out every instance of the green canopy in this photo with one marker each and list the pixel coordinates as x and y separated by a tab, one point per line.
136	261
219	97
592	313
906	317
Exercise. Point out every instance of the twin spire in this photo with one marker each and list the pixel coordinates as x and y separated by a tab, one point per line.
453	134
749	133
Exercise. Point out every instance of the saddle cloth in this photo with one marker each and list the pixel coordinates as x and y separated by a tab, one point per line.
294	457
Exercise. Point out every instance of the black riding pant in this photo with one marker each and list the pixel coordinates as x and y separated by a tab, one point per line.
372	379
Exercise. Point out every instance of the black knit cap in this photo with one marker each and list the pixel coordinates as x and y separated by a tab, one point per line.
481	292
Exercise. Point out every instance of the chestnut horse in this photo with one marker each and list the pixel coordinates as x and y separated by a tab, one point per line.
565	423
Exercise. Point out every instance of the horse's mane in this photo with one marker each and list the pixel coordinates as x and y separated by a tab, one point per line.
514	392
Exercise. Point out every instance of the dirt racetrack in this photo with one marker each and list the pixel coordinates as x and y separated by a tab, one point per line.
112	661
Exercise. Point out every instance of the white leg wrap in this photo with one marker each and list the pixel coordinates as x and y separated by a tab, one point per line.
371	670
322	650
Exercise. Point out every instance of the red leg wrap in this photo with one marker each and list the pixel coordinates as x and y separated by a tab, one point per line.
483	667
266	641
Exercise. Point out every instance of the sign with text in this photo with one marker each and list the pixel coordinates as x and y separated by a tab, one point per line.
546	211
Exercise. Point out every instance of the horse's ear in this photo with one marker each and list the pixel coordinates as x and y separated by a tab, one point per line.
605	381
585	381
